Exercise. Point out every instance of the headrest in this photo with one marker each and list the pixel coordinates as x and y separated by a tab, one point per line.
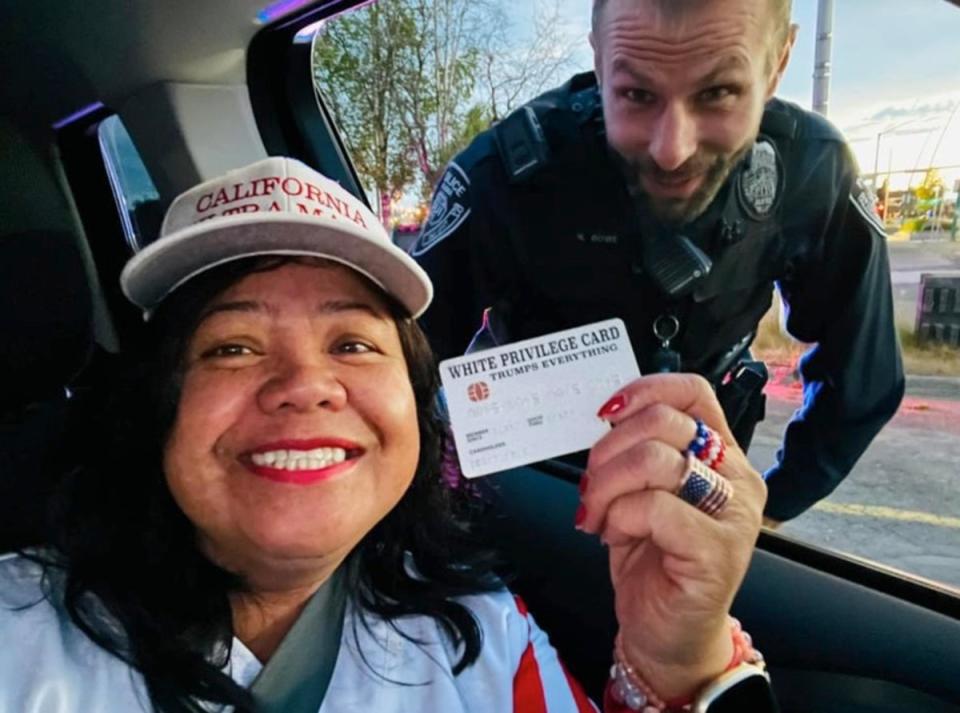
46	315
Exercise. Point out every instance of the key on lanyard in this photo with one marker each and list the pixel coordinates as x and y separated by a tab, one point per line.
665	359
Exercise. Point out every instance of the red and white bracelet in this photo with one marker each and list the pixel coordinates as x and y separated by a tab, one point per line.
628	690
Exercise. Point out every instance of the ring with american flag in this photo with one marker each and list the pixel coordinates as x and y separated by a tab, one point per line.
704	488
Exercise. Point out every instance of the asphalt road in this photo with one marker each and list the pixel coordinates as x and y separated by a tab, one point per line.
901	504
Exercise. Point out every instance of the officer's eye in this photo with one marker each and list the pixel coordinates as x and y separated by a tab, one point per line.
719	94
638	96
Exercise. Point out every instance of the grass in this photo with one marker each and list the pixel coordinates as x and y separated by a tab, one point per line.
774	346
928	359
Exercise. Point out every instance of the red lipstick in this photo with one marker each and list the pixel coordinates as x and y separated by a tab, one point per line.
301	476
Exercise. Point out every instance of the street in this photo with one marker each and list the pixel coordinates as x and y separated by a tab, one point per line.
901	504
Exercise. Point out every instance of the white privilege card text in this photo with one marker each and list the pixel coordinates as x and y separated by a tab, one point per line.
536	399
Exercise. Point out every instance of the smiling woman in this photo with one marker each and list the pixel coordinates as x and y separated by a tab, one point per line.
261	520
275	431
284	382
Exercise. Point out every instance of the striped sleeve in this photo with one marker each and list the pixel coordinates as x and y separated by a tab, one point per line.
541	683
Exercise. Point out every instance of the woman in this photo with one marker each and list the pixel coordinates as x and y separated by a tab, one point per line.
262	522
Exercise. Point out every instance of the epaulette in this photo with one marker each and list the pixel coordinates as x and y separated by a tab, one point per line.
777	123
805	124
524	137
522	144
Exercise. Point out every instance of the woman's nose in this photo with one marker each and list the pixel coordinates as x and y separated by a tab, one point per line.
674	138
302	387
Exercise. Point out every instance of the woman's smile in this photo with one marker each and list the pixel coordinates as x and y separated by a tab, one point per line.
302	461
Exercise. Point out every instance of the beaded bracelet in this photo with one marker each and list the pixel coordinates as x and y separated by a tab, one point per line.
629	689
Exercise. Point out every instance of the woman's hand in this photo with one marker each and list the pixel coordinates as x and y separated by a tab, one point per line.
675	569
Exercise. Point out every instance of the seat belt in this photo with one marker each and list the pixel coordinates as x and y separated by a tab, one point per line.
296	678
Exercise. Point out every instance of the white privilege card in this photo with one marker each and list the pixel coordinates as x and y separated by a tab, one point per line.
536	399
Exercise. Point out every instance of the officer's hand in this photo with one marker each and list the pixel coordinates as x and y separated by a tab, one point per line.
771	524
675	570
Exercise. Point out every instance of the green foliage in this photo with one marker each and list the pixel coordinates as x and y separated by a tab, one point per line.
398	77
404	80
930	189
357	61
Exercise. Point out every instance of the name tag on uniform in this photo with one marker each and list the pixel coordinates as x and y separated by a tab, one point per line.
537	399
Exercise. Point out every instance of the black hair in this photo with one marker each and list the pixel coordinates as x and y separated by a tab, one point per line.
133	577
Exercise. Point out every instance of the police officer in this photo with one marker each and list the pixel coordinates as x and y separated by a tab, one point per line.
669	188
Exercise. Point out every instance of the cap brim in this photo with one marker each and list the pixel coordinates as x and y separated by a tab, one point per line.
161	267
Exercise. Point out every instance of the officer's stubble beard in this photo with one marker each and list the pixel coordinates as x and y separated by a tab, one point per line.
673	213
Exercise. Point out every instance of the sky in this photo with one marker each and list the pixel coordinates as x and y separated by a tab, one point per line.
895	84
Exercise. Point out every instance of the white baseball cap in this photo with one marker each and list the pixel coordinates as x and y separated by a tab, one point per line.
277	206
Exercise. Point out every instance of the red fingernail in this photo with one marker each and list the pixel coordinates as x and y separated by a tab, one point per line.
613	406
582	485
580	516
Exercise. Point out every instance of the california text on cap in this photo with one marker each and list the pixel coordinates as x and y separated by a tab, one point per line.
277	206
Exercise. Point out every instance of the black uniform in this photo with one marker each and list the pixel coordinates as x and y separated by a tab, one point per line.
533	219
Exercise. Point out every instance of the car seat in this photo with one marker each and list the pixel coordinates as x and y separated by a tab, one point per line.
46	338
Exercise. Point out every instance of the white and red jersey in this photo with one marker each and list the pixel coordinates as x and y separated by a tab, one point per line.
47	665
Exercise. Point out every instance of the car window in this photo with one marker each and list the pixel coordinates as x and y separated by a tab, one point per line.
137	199
896	102
408	94
411	82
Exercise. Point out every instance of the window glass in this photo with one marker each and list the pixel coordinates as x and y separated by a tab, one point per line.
894	97
138	201
410	82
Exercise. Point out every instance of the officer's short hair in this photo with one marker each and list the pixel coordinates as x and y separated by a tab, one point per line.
672	8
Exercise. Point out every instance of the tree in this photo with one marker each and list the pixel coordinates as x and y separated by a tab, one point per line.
513	72
356	60
436	97
411	82
931	187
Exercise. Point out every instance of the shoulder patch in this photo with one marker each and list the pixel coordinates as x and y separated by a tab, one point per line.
865	201
450	207
761	182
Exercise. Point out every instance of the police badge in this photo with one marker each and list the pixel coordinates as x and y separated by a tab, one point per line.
450	207
761	181
865	201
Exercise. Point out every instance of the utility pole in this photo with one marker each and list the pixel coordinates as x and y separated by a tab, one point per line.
821	70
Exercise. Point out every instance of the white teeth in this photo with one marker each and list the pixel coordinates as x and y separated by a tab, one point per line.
300	460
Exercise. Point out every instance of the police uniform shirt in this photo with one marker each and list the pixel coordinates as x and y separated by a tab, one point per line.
552	243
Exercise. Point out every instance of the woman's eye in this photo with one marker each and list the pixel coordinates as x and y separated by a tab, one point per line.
354	346
227	350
